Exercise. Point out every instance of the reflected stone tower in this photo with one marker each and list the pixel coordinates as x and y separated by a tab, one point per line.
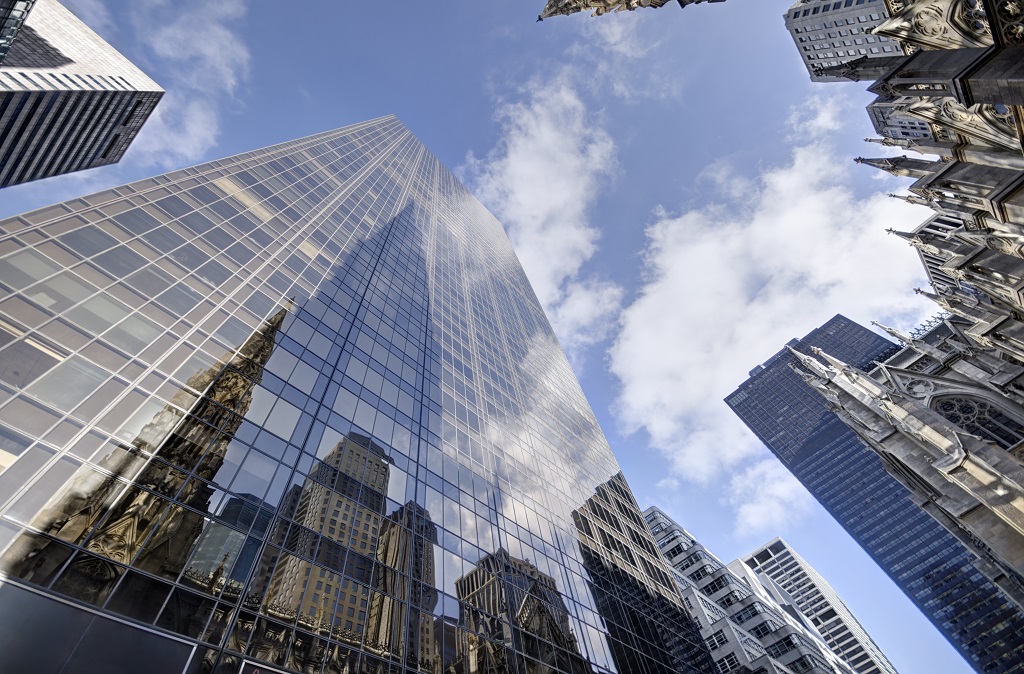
279	412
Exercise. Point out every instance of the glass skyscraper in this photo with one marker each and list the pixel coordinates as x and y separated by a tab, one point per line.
933	568
300	408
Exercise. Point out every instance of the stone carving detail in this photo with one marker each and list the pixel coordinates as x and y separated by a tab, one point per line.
939	24
920	388
982	123
1010	15
599	7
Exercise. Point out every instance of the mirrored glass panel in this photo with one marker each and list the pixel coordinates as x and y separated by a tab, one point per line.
330	431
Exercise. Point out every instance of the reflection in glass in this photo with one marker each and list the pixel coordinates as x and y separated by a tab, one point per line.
511	609
119	523
399	473
633	592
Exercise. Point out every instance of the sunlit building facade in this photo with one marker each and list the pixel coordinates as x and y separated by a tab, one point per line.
747	620
300	408
820	603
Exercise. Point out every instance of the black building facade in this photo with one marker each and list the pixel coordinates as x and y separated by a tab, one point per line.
933	568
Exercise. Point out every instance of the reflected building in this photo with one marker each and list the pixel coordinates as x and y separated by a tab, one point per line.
632	587
292	411
502	587
404	592
116	521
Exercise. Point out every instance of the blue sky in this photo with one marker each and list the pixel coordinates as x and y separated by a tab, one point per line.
681	195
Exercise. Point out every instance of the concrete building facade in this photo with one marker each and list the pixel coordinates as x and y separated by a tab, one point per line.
749	623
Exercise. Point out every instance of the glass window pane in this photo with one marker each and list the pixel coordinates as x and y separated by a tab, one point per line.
62	291
24	268
121	261
88	241
69	383
98	314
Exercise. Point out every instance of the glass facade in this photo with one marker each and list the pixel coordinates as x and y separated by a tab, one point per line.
933	568
12	16
300	408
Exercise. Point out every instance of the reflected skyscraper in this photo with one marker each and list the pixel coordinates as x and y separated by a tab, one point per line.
285	411
501	586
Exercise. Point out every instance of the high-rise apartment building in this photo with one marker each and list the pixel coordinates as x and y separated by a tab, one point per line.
818	601
12	16
300	408
934	569
746	619
68	100
833	32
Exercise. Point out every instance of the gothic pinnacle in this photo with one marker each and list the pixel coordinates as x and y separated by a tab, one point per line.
893	332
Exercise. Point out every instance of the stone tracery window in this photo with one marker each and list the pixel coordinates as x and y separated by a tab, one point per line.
982	419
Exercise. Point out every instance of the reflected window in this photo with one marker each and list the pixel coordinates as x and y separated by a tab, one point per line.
60	292
66	385
25	268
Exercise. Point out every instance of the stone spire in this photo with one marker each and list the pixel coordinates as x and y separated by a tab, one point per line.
911	199
902	166
894	333
891	142
862	69
925	242
940	461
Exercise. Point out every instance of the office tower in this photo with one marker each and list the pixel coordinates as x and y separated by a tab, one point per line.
68	100
934	569
819	602
289	408
830	33
746	619
599	7
12	16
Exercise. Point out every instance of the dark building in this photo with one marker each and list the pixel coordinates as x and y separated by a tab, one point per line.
283	412
68	100
933	568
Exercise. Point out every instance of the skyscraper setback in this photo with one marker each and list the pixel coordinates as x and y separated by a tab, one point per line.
300	408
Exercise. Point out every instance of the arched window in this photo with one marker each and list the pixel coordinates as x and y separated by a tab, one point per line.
981	418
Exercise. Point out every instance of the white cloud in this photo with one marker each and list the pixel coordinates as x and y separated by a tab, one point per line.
729	283
541	180
205	63
181	129
94	14
616	55
821	114
766	495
